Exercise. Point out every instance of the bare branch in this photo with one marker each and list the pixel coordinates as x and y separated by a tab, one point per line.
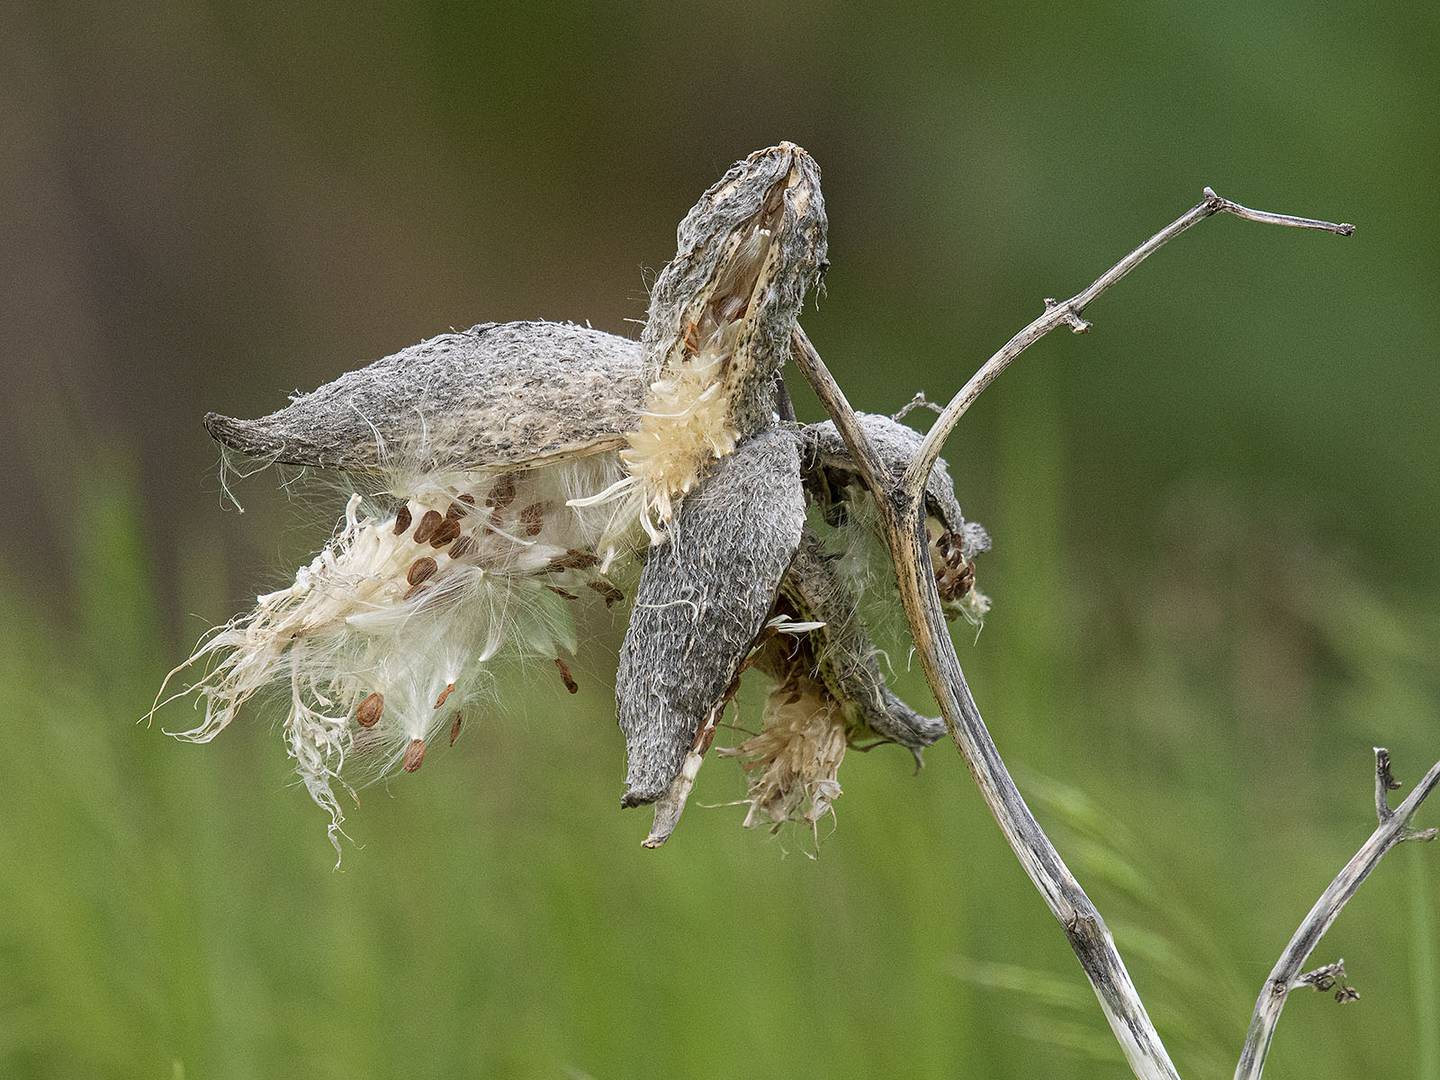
867	461
1085	929
1070	313
1394	829
919	401
899	501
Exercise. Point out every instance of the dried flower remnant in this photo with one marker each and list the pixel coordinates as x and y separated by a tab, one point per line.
793	763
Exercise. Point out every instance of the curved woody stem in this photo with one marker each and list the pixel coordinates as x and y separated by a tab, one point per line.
1394	829
900	502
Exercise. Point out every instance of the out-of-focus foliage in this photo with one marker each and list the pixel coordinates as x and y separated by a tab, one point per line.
1214	519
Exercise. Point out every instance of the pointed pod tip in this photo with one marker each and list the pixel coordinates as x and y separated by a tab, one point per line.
243	436
219	426
633	798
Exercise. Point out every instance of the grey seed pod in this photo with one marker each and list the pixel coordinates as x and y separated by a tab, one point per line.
747	253
841	654
518	394
702	601
896	444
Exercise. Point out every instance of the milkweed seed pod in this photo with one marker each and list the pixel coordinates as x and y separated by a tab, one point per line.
479	443
836	488
695	631
702	602
721	315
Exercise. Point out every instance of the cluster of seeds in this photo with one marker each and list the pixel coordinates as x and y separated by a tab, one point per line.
447	544
954	573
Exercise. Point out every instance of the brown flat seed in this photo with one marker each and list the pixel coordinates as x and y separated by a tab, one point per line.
367	713
967	580
461	547
561	592
449	529
566	677
428	524
421	569
467	499
579	560
402	521
605	589
456	512
440	701
414	755
532	519
502	494
455	722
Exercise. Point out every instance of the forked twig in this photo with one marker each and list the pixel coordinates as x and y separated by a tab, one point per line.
1394	828
900	503
1071	313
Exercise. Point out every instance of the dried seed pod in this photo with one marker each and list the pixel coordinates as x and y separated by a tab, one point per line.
428	524
678	659
581	389
402	521
367	713
896	444
566	677
954	542
421	569
712	362
414	755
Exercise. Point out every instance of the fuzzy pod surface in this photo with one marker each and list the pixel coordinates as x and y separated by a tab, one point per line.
896	444
515	394
703	598
777	189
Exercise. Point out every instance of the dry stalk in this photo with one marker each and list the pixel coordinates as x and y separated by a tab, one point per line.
899	498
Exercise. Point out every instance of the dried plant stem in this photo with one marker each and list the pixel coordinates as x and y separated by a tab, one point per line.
901	511
905	536
1394	829
1069	313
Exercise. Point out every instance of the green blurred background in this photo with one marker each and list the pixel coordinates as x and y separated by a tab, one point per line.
1215	523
